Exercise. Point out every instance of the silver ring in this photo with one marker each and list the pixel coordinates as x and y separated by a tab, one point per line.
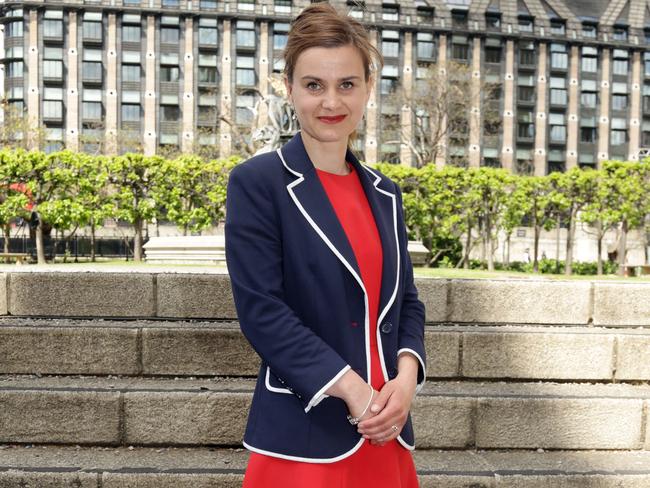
394	427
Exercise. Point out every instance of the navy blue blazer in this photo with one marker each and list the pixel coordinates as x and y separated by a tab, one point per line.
302	305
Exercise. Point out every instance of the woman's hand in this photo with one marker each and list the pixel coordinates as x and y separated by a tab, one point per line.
391	407
355	392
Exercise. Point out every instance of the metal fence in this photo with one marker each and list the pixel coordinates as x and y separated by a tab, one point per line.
75	248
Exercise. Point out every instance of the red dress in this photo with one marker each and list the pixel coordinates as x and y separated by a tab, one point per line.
388	466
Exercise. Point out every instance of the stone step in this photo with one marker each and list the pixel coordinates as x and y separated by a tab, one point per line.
119	411
205	293
181	348
94	467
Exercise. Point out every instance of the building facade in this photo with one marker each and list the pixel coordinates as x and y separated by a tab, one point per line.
573	77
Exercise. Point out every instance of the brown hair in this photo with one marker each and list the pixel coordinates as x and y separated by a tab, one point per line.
321	25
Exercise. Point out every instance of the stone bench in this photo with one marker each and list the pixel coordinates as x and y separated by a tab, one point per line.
185	249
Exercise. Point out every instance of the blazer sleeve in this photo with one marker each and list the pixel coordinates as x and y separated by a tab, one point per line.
411	326
300	359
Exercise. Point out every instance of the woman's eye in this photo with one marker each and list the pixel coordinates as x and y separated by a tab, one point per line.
346	85
312	85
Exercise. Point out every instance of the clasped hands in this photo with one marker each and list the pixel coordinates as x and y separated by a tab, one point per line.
388	411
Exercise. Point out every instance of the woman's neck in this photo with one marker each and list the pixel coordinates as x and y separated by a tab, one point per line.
328	156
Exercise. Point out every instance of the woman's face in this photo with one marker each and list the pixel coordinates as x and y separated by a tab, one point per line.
329	92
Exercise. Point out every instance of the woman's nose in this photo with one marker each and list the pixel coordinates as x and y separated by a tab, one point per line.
331	100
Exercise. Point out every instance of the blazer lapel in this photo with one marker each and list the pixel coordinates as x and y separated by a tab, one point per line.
383	204
311	199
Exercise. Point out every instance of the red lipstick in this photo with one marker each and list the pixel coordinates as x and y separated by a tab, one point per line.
332	120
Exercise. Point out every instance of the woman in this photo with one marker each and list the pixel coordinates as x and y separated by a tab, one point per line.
322	282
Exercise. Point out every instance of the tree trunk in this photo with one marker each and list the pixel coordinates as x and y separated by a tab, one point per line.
599	261
468	242
507	252
557	247
488	244
40	248
137	242
536	248
622	245
92	240
568	262
7	235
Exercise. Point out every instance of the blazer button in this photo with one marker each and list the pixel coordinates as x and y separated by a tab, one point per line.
386	327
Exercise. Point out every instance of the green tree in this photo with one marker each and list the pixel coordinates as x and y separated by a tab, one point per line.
194	191
489	192
543	205
13	200
137	180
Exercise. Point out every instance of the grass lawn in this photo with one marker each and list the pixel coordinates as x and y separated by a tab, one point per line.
478	274
420	272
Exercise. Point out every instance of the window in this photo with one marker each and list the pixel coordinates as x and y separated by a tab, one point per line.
245	34
525	88
52	70
53	110
526	24
645	134
619	96
14	29
280	35
131	33
424	14
493	21
459	48
589	59
130	112
169	73
131	57
588	132
207	68
589	94
527	53
493	51
282	6
356	8
619	102
646	63
618	132
91	111
590	30
208	4
559	57
619	33
558	91
208	33
246	4
558	27
390	43
131	73
53	24
91	72
245	66
15	69
525	125
425	45
390	13
388	82
92	26
170	113
244	105
619	67
169	35
459	19
557	127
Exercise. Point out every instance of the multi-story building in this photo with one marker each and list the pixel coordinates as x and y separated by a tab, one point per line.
573	75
